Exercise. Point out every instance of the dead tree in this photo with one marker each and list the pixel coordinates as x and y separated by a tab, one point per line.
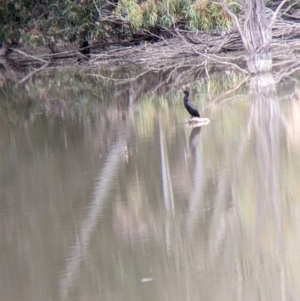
256	33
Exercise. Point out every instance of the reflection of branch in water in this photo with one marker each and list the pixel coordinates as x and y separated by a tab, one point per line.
268	126
222	214
167	187
237	221
166	178
103	187
196	200
226	224
231	90
165	79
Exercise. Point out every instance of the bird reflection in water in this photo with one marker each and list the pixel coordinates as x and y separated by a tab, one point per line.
194	139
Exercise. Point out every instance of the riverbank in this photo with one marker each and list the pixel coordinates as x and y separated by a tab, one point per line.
208	52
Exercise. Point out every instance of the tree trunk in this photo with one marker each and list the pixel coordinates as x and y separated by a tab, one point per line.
257	37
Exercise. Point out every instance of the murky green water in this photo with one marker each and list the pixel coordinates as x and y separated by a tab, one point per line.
106	194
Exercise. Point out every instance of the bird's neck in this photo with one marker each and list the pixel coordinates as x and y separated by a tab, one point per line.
185	98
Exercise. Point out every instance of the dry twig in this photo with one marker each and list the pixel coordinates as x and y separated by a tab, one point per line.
33	73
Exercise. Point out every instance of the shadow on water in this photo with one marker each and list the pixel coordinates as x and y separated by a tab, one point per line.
116	199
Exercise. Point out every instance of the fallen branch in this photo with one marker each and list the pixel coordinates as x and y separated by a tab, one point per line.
216	59
276	13
33	73
30	56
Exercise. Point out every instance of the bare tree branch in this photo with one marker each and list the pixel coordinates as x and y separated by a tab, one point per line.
215	58
276	13
33	72
235	20
30	56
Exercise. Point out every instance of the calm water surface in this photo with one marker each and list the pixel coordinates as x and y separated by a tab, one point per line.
106	201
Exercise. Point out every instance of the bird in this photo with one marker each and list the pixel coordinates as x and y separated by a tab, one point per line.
189	106
195	120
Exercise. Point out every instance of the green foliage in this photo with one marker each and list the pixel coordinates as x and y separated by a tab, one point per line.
150	13
38	22
202	14
43	21
207	15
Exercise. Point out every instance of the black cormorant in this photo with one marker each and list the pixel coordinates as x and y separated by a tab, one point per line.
189	106
195	120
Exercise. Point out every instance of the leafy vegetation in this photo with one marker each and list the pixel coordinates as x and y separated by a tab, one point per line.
44	21
200	14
